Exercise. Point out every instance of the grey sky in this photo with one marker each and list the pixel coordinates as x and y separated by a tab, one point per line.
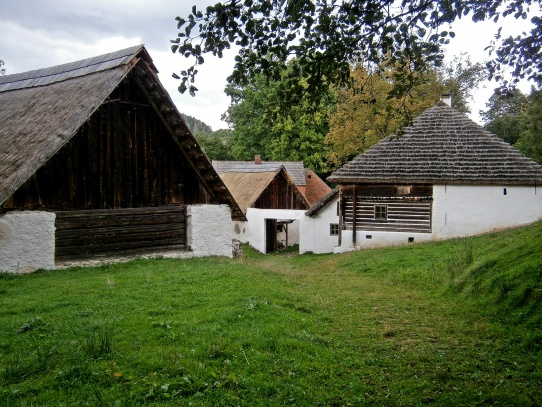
42	33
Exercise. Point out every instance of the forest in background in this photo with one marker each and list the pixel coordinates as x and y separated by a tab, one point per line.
348	121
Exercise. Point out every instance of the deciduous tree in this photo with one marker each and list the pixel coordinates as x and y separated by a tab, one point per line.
217	145
365	114
460	78
325	38
505	114
530	140
263	127
517	119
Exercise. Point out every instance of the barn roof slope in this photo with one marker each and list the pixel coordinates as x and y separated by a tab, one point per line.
43	109
246	187
441	146
47	76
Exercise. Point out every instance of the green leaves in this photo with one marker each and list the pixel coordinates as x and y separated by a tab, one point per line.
325	35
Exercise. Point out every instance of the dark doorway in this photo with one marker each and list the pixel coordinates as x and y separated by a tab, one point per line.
270	235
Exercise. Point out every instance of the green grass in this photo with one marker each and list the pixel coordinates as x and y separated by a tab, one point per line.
445	323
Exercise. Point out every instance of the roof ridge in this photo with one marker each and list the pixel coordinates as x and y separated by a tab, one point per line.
56	73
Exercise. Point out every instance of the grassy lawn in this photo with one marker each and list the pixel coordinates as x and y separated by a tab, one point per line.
444	324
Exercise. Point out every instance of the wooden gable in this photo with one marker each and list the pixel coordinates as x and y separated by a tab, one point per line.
281	193
122	157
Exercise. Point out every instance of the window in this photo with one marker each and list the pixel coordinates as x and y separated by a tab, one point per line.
334	229
381	212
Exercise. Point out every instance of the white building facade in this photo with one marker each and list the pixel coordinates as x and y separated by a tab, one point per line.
442	177
458	211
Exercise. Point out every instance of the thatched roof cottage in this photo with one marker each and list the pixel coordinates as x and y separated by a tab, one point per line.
443	176
264	191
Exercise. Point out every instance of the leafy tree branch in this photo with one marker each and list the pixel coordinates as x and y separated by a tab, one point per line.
323	39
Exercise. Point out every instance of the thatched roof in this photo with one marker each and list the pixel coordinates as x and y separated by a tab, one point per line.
327	198
43	109
442	146
247	185
296	169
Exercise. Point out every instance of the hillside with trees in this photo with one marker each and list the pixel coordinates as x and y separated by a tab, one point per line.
517	118
196	125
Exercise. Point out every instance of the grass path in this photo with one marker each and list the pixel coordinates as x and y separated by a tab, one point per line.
405	326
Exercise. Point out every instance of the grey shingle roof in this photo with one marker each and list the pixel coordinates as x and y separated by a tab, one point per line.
295	169
441	146
47	76
41	110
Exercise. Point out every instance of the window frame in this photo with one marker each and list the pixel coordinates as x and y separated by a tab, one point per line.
334	227
381	212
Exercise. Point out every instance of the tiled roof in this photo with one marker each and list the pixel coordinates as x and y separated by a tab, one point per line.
316	188
295	169
441	146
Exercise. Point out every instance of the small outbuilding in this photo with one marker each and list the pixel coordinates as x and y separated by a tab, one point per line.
442	177
96	161
270	198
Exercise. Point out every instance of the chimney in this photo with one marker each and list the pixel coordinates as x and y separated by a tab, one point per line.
257	159
446	98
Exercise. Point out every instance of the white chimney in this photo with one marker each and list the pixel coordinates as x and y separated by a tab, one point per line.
446	98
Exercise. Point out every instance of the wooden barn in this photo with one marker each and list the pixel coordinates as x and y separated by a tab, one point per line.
444	176
99	144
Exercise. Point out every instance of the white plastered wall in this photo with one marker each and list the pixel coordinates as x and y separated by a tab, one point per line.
315	236
27	241
253	230
464	210
209	230
372	239
461	210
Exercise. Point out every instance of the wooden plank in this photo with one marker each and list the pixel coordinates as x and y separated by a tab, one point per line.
100	232
124	253
124	220
401	217
119	233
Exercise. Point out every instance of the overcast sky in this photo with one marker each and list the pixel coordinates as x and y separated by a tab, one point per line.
42	33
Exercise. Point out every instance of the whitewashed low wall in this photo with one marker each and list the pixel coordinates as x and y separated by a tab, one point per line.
372	239
209	230
27	241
